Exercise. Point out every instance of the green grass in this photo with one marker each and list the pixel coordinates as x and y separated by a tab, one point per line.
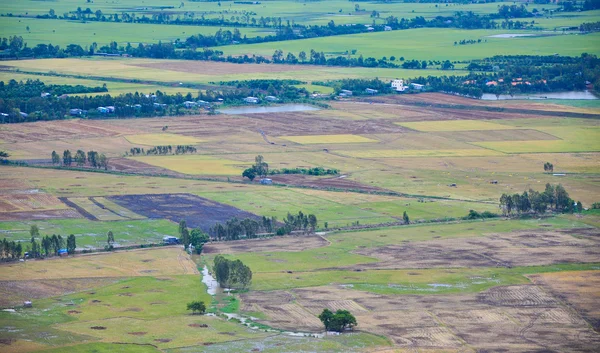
104	348
430	44
114	88
63	33
93	233
413	281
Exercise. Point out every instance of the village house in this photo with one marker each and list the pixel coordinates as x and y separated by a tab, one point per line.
371	91
251	100
271	98
398	85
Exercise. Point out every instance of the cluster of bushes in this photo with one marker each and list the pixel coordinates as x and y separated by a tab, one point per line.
46	247
338	321
553	197
483	215
307	171
232	274
299	222
161	150
192	240
93	158
35	88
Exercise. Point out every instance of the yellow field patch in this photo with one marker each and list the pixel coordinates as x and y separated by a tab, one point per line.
454	125
316	139
154	262
195	164
162	139
473	152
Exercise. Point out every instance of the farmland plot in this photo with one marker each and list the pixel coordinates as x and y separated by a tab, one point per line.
198	212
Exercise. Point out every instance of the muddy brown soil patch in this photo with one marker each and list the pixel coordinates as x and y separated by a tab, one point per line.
163	340
324	183
520	248
287	243
98	328
198	325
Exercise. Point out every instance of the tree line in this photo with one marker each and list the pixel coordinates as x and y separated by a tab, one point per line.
306	171
36	88
92	158
47	246
161	150
554	197
231	274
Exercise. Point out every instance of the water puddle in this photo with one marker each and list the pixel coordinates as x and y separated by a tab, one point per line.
211	283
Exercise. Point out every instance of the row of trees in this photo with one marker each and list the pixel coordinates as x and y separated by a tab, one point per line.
554	197
10	250
235	229
35	88
161	150
306	171
232	274
92	158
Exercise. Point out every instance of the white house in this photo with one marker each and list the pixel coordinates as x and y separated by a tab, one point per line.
271	98
398	85
371	91
417	86
387	28
251	100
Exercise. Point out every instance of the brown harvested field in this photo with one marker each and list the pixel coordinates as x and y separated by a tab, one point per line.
497	135
580	290
287	243
521	248
218	68
482	322
440	98
29	202
39	215
62	129
164	262
15	292
338	182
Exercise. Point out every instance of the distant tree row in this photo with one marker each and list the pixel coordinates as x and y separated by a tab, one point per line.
235	229
10	250
35	88
307	171
554	197
93	159
232	274
47	246
161	150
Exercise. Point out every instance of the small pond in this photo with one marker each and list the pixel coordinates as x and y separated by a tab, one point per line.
272	109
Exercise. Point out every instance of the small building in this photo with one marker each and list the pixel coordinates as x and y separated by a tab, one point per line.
345	92
189	104
371	91
25	115
75	112
494	182
398	85
453	185
271	98
170	240
266	181
417	86
370	29
251	100
63	252
203	104
45	95
27	304
491	83
387	28
111	109
102	110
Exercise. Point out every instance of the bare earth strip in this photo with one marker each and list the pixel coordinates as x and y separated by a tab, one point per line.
288	243
580	289
520	318
217	69
522	248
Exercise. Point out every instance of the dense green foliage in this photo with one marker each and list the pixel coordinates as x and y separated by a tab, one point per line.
197	306
232	274
553	197
338	322
307	171
161	150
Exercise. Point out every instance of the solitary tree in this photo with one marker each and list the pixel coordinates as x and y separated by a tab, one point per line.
249	173
184	234
197	307
3	155
339	322
34	231
110	239
55	158
405	218
71	244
